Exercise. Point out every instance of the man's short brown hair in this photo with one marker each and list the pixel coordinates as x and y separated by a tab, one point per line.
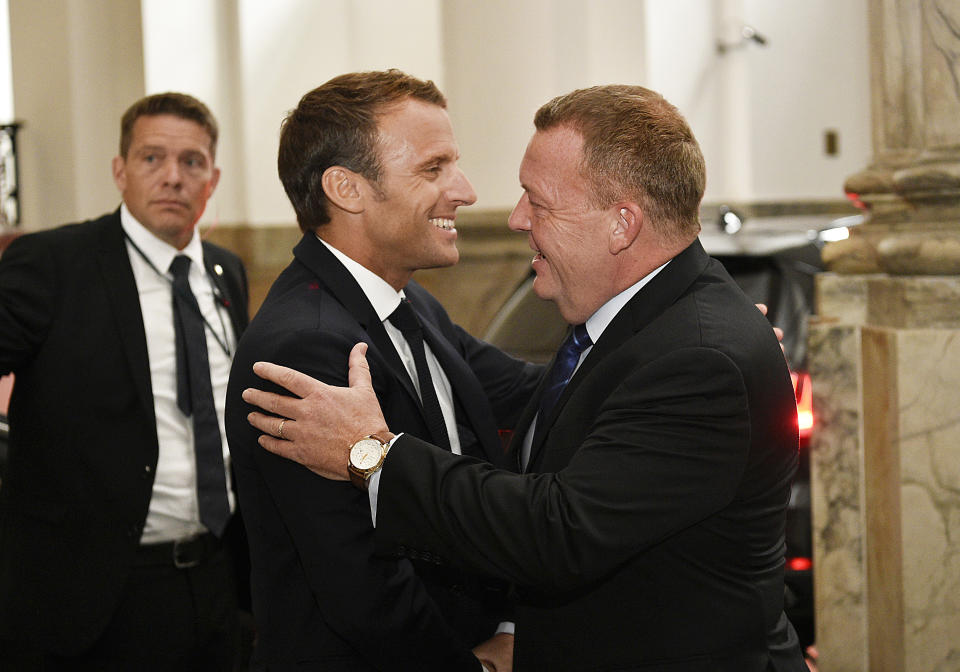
175	104
636	146
336	125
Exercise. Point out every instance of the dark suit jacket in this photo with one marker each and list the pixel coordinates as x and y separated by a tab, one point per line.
322	598
652	536
83	438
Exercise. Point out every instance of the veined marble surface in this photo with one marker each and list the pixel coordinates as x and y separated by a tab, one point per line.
885	470
929	448
836	498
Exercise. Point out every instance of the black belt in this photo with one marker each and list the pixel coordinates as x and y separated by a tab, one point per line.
182	553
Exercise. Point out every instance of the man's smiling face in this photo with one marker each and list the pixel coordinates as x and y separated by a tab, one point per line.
411	221
568	233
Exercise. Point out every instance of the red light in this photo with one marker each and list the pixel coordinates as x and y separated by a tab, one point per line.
855	200
799	564
804	393
804	422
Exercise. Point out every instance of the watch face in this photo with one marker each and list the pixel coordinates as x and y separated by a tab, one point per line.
365	454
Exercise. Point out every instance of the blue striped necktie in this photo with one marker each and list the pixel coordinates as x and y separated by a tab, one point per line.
568	356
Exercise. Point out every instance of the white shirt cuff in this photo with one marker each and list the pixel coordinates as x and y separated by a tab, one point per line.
373	485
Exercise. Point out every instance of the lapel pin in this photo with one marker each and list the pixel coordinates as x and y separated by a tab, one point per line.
218	269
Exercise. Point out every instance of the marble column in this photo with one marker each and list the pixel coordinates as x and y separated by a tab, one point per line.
885	357
885	469
911	190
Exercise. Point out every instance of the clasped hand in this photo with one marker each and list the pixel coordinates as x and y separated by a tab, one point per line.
321	422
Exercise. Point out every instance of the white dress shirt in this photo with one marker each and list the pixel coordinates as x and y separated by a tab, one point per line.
174	512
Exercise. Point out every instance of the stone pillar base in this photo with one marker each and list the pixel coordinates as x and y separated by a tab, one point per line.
885	471
911	247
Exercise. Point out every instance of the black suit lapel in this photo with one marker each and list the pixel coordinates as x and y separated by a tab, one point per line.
654	298
121	287
321	262
229	294
658	295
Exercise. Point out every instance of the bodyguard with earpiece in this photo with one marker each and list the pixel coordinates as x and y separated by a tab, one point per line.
118	533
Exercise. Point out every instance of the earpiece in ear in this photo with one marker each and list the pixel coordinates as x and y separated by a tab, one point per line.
622	222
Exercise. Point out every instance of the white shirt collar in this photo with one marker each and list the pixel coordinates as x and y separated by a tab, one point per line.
159	252
598	322
381	295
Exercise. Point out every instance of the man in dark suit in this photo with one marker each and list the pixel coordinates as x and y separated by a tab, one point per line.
116	508
647	530
369	162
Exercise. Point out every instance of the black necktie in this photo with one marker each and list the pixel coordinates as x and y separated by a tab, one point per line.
404	319
195	398
562	370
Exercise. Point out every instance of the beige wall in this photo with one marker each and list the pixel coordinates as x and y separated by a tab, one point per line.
760	113
77	64
505	58
193	48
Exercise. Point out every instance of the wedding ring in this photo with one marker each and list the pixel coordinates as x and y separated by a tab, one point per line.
280	428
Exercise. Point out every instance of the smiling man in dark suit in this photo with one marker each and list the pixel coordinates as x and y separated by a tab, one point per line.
369	162
646	530
115	516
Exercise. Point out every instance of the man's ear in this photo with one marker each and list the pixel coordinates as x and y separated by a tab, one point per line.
214	181
627	224
119	168
343	189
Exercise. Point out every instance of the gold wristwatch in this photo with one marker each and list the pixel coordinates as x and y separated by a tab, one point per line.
366	458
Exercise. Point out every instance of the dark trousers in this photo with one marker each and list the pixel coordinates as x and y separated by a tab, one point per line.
168	619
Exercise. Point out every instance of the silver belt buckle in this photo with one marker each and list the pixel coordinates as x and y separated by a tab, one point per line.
177	561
